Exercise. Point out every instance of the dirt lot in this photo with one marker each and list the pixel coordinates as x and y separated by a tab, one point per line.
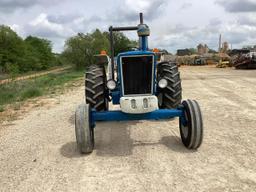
38	152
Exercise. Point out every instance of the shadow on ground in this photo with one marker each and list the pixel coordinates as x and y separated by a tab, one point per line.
71	119
70	150
114	139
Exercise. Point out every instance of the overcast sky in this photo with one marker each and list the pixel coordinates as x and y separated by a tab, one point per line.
174	24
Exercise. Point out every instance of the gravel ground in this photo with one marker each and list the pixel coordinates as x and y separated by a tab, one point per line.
38	152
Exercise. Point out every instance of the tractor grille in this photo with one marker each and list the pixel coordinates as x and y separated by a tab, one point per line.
137	74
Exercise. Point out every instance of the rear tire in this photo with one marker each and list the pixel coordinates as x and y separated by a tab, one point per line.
96	92
192	131
169	97
83	129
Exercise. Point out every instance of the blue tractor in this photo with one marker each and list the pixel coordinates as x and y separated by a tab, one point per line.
144	89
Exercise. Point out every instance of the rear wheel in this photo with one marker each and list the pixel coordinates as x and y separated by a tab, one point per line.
169	97
96	92
191	126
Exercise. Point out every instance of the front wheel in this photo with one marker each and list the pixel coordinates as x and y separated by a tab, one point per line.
83	129
191	125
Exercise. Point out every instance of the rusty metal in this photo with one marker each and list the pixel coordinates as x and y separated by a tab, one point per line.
245	61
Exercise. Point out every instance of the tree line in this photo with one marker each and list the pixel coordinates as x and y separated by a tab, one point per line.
20	55
80	49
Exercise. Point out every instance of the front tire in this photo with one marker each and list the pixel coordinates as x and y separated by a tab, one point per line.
83	129
169	97
191	127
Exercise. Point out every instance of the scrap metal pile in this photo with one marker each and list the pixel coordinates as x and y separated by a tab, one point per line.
245	61
238	58
206	59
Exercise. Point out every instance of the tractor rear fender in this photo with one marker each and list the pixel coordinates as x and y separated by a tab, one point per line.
101	59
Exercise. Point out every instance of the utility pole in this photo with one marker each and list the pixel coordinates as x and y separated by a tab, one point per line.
220	60
220	43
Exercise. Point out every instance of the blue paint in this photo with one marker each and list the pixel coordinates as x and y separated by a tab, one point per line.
119	74
137	52
120	116
115	97
143	43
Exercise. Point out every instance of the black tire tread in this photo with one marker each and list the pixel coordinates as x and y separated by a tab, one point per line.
194	126
172	94
199	125
95	87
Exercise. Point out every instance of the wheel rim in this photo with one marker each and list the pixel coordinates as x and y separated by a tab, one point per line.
184	128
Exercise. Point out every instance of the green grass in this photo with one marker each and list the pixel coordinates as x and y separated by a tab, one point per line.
1	108
30	93
7	76
23	90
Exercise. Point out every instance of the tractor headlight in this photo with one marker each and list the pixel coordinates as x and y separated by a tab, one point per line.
162	83
111	84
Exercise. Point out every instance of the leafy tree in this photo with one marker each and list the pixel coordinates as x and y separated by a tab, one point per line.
121	42
100	42
11	48
13	70
39	51
58	59
17	55
80	49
